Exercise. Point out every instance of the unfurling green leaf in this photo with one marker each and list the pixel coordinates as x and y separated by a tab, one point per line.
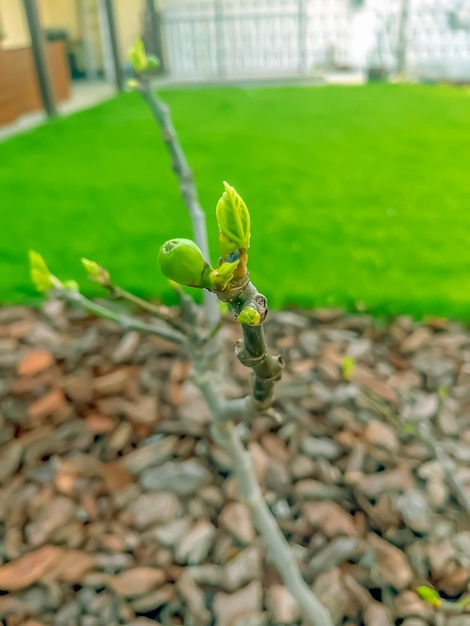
249	315
181	261
233	219
431	596
349	365
443	392
220	277
409	428
138	57
96	273
40	275
91	267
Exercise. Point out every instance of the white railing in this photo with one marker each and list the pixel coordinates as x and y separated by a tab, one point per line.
222	39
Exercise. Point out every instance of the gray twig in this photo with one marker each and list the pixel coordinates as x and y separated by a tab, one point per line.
267	370
125	321
161	114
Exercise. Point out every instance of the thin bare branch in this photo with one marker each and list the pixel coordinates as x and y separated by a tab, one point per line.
125	321
161	114
227	436
156	311
253	353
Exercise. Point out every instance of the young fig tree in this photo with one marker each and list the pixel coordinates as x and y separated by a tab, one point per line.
183	262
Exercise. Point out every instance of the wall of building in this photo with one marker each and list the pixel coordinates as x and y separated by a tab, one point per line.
14	31
129	21
61	14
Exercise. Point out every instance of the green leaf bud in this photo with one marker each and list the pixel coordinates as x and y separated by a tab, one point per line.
96	273
233	219
431	596
132	84
349	365
40	274
138	57
71	285
181	261
249	315
91	267
220	277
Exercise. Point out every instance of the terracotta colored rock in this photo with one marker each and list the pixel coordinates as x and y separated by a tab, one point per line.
46	406
78	388
242	569
71	568
416	340
136	581
10	459
282	606
378	615
99	424
392	563
149	455
236	519
110	384
29	568
237	607
154	508
381	435
51	517
195	544
193	596
35	362
330	518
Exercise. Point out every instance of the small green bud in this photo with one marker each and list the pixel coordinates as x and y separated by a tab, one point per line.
153	62
349	365
138	57
223	308
96	273
249	315
431	596
71	285
132	84
40	274
181	261
220	277
91	267
233	219
409	428
443	392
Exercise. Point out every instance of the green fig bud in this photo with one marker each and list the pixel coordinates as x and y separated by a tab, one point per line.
249	315
233	219
181	261
153	62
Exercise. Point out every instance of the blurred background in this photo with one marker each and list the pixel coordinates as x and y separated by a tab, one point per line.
345	126
358	109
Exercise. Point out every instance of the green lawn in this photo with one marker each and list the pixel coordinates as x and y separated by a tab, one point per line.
357	194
